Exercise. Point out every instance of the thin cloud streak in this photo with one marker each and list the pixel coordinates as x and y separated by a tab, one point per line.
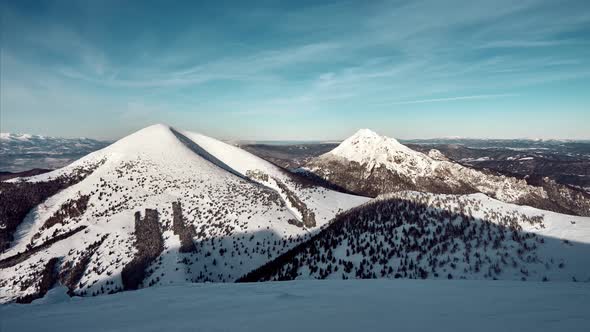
437	100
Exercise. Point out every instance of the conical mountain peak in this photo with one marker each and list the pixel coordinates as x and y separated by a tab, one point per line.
367	146
365	132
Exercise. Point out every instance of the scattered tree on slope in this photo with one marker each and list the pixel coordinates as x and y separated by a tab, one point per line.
404	238
48	277
18	198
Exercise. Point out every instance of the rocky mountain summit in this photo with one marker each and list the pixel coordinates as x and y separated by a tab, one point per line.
370	164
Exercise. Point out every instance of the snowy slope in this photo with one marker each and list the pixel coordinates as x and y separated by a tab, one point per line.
372	164
423	235
236	224
323	202
373	305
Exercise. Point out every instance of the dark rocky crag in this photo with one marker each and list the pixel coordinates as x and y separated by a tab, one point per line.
186	232
355	178
149	244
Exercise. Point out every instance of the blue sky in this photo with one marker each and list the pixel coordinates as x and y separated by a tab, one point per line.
297	69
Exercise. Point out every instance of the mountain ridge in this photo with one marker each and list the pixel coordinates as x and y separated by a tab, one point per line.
432	236
167	206
213	223
370	164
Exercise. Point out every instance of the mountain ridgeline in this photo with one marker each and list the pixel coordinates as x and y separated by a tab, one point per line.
370	164
157	207
166	206
420	235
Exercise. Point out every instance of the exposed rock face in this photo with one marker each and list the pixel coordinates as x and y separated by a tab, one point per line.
149	244
437	155
186	232
307	217
558	198
370	164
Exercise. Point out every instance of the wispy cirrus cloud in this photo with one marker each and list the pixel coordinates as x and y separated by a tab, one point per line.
531	43
251	68
263	61
457	98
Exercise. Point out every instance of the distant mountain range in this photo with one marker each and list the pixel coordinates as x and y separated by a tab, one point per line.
22	152
566	163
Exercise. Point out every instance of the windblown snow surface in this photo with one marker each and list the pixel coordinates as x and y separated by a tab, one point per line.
359	305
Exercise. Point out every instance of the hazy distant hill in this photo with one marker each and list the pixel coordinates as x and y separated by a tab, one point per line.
22	152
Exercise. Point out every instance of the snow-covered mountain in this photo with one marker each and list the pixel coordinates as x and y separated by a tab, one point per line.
159	206
370	164
436	236
166	206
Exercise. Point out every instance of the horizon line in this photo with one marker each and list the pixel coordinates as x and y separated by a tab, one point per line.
312	140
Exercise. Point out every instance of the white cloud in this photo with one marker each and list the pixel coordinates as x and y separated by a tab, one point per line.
458	98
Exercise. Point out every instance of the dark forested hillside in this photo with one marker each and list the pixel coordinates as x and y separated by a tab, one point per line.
430	236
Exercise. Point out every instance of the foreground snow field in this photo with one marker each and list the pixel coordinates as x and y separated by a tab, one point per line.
352	305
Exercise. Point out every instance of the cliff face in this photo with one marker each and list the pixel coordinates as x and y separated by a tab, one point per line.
186	232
